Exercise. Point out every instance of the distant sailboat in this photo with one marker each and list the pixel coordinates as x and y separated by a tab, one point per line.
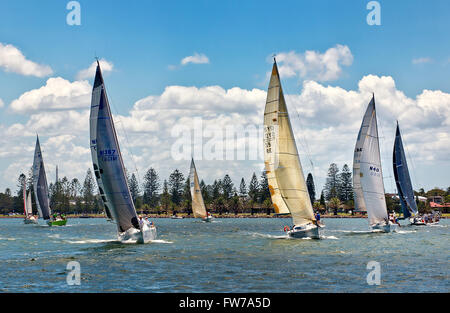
403	181
368	184
109	169
198	205
283	168
27	206
40	188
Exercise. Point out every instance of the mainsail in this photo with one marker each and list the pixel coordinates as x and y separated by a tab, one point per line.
24	194
402	179
283	168
29	206
40	184
107	160
198	205
27	200
367	174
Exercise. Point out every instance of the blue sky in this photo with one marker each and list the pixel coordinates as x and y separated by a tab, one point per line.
143	38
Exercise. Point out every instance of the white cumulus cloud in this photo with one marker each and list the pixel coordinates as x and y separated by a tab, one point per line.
195	59
57	94
89	72
314	65
13	60
325	120
422	60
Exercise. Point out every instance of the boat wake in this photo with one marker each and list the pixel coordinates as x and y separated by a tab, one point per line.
405	231
11	239
329	237
160	241
269	236
354	232
286	236
90	241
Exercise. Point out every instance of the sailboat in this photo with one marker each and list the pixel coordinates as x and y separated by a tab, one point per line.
403	181
40	188
198	205
282	163
110	172
368	186
27	206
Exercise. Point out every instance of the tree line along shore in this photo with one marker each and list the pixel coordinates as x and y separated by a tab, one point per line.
164	198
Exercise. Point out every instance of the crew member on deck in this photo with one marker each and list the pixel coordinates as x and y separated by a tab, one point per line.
317	216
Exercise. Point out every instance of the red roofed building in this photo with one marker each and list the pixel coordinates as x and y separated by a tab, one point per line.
443	208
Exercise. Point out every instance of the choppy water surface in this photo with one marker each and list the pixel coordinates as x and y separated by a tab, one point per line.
228	255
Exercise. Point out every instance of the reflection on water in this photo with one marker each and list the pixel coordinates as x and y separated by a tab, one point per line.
228	255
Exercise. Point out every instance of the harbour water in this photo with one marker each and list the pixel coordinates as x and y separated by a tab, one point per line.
227	255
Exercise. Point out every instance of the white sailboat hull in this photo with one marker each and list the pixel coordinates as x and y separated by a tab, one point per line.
31	220
384	228
207	219
416	222
305	231
147	234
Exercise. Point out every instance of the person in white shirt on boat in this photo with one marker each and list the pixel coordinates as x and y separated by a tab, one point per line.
395	219
149	223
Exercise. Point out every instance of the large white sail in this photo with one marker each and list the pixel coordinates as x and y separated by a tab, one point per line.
107	160
198	205
283	168
367	173
40	184
24	194
29	204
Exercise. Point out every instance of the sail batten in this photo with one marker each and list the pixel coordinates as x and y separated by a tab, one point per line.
287	184
107	160
198	205
368	186
402	178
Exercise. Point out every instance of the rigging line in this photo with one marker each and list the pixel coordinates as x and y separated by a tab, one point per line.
303	138
128	147
412	161
386	157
